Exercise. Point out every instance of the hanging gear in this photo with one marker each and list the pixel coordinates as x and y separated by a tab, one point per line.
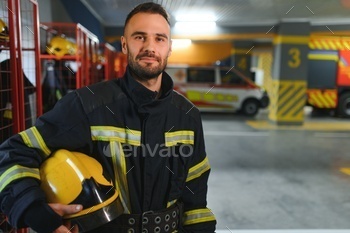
53	87
4	32
60	46
75	178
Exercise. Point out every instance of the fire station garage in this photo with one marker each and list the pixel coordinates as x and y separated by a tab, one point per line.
270	78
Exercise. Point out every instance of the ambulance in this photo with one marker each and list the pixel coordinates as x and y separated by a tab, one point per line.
219	89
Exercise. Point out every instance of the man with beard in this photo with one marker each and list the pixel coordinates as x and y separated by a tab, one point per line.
147	137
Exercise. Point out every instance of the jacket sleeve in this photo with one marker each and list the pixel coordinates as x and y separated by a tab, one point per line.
197	217
21	199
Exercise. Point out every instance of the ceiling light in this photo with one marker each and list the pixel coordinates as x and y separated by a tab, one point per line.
181	43
195	26
202	17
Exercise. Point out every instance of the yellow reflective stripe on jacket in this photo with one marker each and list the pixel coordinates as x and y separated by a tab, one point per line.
17	172
110	133
181	136
32	138
197	170
198	216
121	183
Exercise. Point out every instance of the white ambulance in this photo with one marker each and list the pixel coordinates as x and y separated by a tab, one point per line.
214	88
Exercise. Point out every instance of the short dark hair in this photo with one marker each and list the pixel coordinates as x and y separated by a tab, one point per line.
147	7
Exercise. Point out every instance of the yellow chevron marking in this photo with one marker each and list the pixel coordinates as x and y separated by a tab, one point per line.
332	45
324	45
339	45
347	45
291	102
322	99
329	97
286	96
314	99
329	43
318	45
298	110
312	45
288	103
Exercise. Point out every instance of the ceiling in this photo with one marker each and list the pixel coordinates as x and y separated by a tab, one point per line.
112	13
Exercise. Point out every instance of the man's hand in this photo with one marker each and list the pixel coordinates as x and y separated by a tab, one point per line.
64	210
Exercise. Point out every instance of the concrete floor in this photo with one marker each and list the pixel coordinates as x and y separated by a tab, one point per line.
277	179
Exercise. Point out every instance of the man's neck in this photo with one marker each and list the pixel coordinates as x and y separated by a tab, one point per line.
152	84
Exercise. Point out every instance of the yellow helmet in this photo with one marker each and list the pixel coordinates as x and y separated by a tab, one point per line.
4	32
75	178
60	46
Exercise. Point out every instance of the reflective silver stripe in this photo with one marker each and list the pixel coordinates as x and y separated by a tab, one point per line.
181	136
32	138
198	170
198	216
121	182
17	172
170	203
110	133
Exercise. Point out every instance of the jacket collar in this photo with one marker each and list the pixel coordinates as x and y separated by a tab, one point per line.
145	98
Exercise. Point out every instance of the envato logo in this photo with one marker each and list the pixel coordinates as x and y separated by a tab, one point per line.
159	150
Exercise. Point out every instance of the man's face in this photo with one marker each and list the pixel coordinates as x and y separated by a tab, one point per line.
147	43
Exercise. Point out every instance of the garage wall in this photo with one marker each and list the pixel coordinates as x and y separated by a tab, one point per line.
201	53
52	11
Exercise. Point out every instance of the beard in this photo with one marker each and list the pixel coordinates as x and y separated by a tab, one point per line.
149	71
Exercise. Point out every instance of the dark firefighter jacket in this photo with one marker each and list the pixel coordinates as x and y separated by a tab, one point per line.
153	147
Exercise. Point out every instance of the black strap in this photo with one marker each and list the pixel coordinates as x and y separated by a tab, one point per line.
166	220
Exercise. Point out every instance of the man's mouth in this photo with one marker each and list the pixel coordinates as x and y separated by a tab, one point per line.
147	58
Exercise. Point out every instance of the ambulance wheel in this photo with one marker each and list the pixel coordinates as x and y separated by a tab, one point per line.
344	105
250	107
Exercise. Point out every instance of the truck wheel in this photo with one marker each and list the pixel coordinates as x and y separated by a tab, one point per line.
344	105
250	107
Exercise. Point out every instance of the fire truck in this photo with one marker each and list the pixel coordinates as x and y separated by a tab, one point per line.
329	74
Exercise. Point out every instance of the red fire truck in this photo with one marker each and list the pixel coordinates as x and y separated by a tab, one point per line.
329	74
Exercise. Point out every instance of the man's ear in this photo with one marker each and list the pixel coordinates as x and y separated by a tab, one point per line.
124	47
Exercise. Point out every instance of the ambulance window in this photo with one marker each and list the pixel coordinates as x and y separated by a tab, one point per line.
201	75
229	77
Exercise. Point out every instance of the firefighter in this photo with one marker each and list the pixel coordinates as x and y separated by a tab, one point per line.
146	136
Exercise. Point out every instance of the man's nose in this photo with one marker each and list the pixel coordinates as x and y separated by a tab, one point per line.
149	46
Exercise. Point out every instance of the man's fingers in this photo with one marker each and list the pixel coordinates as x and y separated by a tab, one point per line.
65	209
63	229
71	209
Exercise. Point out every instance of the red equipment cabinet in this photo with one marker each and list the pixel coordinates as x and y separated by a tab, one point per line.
20	66
20	92
85	56
69	59
107	57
